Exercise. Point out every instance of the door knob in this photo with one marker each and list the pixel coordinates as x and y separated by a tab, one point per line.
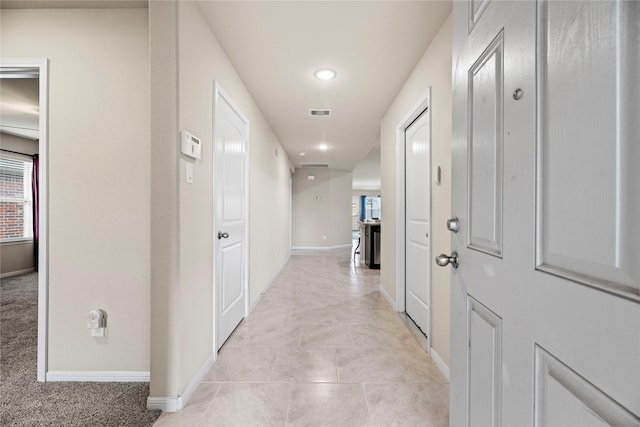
222	235
443	260
453	224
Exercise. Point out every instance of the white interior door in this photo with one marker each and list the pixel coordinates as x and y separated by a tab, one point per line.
545	301
418	221
230	232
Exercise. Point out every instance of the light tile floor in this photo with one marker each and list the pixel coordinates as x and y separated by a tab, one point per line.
321	348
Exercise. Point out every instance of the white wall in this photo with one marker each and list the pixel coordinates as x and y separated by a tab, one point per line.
183	294
98	178
433	70
321	207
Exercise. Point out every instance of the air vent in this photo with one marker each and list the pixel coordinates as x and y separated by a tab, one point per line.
314	165
320	113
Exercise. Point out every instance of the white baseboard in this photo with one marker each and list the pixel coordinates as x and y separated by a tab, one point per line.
16	273
197	379
174	404
440	364
321	248
99	376
269	282
388	298
165	404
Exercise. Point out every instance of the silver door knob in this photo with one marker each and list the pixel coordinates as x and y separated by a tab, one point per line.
453	224
222	235
443	260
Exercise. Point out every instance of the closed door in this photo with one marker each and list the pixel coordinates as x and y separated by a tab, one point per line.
230	239
545	300
418	221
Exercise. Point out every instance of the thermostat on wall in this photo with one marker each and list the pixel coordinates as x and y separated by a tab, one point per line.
191	145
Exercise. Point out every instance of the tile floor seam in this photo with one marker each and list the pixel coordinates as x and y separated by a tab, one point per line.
366	401
286	415
204	413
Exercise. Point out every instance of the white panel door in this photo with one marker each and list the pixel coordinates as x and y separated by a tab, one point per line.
418	221
230	239
546	297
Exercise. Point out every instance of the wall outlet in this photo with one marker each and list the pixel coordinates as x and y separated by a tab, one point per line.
324	237
97	322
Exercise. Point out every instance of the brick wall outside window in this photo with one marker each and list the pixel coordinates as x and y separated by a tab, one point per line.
12	203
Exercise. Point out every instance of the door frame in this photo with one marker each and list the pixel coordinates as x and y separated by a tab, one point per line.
218	93
42	64
423	105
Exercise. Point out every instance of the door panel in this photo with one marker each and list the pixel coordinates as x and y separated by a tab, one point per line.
483	365
417	221
475	11
231	276
565	398
570	206
231	139
591	251
485	150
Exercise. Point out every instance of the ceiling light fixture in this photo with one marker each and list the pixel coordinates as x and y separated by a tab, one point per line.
302	154
323	147
325	74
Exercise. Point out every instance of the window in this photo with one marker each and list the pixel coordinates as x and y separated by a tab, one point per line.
372	205
370	208
16	204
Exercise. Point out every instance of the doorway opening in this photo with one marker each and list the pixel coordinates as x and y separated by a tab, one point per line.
231	216
37	69
421	227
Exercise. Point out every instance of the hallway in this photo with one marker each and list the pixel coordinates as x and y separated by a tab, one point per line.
322	347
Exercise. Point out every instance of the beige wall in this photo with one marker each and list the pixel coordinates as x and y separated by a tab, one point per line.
321	207
433	70
16	256
182	293
98	179
165	284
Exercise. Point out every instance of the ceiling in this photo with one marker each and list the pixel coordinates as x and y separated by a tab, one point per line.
373	46
19	106
276	46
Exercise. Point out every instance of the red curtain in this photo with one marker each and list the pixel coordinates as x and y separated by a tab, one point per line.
34	194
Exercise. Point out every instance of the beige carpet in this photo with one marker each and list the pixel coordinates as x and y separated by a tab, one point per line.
26	402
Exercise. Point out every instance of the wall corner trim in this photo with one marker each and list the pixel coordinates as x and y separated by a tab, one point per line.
197	379
440	363
165	404
174	404
99	376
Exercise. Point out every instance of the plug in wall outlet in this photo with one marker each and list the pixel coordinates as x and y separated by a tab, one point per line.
97	322
324	237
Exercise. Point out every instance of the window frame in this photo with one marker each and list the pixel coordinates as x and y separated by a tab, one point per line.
26	200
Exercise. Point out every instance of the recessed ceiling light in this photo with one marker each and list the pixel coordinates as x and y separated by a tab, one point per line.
323	147
302	154
325	74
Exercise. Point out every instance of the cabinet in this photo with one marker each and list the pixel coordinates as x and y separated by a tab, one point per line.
370	244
